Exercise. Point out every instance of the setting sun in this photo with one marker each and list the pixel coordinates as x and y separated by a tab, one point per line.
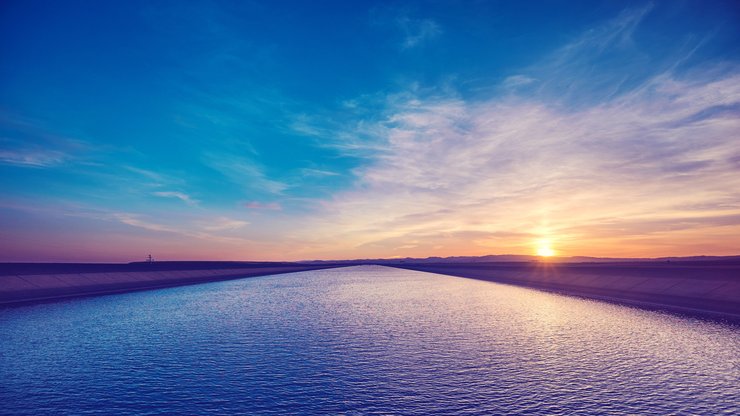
544	249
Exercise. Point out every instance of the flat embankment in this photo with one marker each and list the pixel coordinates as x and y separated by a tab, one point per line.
706	287
27	282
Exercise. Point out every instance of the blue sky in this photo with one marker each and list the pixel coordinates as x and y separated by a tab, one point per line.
295	130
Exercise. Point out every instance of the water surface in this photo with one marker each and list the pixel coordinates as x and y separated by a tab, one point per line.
361	340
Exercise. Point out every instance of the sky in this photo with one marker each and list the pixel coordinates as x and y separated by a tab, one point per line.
272	130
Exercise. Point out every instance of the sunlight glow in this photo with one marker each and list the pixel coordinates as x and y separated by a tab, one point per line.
544	249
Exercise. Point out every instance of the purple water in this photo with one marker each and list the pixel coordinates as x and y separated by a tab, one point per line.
361	340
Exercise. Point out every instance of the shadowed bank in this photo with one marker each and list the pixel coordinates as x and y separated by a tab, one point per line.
29	282
709	288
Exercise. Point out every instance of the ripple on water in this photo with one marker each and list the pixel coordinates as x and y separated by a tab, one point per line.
361	340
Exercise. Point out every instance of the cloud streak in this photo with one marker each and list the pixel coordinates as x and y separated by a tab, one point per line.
417	31
270	206
245	173
177	195
533	165
224	224
29	144
33	158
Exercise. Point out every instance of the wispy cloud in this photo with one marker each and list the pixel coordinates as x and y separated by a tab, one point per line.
28	143
177	195
270	206
417	31
136	221
603	62
518	80
414	31
606	154
224	224
216	229
156	177
34	158
318	172
245	172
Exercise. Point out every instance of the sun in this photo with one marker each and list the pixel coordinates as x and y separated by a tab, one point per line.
544	249
545	252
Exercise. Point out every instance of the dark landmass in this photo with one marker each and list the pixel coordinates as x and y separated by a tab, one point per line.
138	266
522	258
707	287
33	282
697	285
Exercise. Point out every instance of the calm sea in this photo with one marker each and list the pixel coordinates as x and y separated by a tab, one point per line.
361	340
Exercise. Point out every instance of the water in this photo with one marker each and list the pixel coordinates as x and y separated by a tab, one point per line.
361	340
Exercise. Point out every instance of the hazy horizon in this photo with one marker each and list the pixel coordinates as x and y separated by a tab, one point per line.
350	130
448	259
